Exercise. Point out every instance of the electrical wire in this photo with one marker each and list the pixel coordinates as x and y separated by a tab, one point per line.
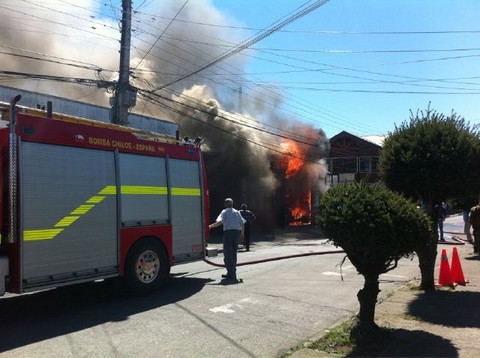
161	34
308	88
278	149
252	85
76	80
314	115
58	60
248	43
57	22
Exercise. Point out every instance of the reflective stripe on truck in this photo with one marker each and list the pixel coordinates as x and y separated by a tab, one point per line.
51	233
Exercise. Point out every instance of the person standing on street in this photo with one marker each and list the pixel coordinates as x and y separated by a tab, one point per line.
441	214
467	226
233	229
249	218
474	218
466	205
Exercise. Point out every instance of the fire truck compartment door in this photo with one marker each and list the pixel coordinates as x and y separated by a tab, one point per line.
69	217
144	190
186	209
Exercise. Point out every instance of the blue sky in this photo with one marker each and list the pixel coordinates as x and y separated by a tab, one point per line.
386	58
359	66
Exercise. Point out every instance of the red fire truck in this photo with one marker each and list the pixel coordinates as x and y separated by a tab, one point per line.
83	200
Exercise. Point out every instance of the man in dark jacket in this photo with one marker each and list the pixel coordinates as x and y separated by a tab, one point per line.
474	218
249	219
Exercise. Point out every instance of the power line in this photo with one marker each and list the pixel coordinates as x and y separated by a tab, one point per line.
94	12
327	71
248	43
321	32
56	22
274	148
365	51
76	80
164	30
98	83
67	13
371	81
241	121
204	77
335	67
58	60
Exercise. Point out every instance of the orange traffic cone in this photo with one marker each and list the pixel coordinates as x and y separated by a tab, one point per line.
457	272
445	277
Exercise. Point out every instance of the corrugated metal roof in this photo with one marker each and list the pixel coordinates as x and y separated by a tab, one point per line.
86	110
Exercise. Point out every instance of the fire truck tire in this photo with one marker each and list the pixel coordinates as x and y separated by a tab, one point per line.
146	267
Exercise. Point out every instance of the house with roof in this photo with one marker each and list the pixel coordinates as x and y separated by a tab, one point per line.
353	158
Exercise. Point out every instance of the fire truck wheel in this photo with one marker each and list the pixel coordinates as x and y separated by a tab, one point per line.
146	267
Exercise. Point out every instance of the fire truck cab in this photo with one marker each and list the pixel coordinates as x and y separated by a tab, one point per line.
83	200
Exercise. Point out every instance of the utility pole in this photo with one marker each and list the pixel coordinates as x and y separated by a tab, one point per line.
125	95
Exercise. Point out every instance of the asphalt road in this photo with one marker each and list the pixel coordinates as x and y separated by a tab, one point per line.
277	305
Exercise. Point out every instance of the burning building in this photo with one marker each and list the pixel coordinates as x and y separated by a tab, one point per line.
300	173
278	176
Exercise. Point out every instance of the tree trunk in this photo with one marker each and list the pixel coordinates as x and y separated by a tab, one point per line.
367	297
427	256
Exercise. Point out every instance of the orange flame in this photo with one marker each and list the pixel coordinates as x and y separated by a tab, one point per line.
298	197
294	161
301	212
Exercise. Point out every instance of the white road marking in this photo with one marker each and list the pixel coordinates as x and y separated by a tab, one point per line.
340	272
231	307
330	273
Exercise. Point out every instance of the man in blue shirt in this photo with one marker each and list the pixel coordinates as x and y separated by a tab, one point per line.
233	226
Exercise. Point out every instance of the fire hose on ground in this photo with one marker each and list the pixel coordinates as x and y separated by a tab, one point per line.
275	258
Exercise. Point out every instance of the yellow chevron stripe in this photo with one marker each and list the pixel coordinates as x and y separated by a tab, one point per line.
95	199
67	221
48	234
45	234
108	190
82	209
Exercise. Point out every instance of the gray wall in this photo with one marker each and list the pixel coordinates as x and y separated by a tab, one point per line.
85	110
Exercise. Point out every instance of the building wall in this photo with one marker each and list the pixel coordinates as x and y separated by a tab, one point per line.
86	110
352	159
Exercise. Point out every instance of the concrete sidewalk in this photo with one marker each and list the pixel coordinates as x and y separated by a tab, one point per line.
444	323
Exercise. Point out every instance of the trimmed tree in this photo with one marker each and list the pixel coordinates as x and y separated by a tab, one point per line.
376	228
431	158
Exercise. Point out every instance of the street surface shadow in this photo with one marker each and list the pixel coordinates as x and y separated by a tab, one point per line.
227	282
447	308
405	343
30	318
